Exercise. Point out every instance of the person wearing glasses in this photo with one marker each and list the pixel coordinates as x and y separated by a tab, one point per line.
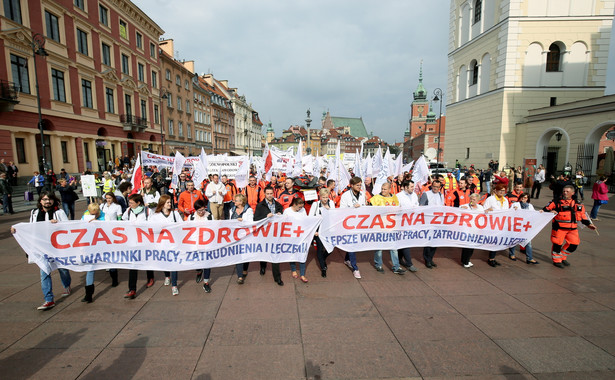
497	201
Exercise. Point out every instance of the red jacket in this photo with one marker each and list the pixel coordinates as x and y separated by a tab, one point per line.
600	192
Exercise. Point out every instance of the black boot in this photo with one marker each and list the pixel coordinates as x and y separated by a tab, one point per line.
89	292
114	281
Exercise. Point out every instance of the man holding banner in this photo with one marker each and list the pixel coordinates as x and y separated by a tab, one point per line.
354	198
432	197
267	209
385	198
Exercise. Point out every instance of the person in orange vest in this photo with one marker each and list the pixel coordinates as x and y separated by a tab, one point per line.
450	183
286	197
333	195
564	232
231	191
253	193
513	196
185	205
473	180
460	196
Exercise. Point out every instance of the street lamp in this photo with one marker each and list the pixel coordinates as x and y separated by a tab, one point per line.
439	97
37	44
165	97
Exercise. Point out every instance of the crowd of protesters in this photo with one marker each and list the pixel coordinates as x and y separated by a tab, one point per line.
218	198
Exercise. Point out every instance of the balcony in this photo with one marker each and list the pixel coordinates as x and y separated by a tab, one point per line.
8	96
133	123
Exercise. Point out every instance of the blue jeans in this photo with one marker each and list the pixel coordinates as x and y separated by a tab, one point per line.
394	258
69	210
487	186
293	267
594	213
173	276
89	277
528	251
352	257
46	285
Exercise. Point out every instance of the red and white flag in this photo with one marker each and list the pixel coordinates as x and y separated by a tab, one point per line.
137	176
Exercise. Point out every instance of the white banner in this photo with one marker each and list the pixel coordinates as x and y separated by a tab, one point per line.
88	186
82	246
224	165
385	227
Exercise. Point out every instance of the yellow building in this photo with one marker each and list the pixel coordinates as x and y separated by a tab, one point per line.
507	57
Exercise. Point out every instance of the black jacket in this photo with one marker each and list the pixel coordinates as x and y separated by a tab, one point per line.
262	209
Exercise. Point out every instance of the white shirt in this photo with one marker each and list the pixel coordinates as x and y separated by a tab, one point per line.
293	213
112	212
248	215
540	176
407	200
348	199
213	187
493	203
58	215
131	216
317	208
429	198
173	217
151	198
517	206
479	208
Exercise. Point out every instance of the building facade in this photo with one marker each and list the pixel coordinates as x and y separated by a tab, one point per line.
507	57
97	76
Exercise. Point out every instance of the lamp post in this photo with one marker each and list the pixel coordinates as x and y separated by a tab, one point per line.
37	44
165	97
439	97
308	121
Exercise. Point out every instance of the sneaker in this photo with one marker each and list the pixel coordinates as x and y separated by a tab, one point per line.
206	287
150	283
379	269
412	268
66	292
348	264
199	276
566	263
46	305
467	265
167	282
131	294
175	291
356	274
399	271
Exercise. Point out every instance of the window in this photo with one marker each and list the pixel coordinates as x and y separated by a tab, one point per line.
180	129
154	79
188	131
82	42
123	29
125	64
64	145
19	69
110	100
139	40
170	100
188	106
156	114
104	15
171	131
474	70
141	72
80	4
12	10
186	85
467	153
478	4
86	89
106	54
144	109
179	103
167	74
20	144
553	101
152	50
57	79
553	58
53	29
178	80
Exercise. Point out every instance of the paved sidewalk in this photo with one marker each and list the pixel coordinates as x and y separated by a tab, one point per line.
516	321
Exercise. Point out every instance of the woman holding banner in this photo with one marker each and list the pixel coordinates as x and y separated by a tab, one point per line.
316	210
242	212
297	210
201	213
164	213
111	209
466	253
523	204
136	212
92	213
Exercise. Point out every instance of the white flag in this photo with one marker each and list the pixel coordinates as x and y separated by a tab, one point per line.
298	166
377	165
420	172
243	174
178	166
199	171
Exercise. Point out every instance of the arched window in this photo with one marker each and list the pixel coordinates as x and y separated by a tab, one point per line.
553	58
474	71
478	5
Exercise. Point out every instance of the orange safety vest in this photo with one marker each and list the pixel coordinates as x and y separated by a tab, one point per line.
254	195
450	183
457	197
286	198
231	191
569	212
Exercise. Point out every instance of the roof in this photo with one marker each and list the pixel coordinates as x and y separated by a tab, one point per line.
357	128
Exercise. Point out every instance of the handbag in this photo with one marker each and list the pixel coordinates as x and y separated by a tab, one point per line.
603	201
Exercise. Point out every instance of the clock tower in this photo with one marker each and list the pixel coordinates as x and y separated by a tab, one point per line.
420	108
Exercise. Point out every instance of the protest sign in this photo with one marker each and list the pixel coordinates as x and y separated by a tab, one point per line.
88	185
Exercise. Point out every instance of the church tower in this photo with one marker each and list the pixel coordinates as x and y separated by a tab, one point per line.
510	56
270	133
420	108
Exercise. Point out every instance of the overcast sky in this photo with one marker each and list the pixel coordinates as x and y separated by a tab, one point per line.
351	57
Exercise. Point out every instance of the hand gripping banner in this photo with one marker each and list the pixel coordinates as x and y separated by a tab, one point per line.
82	246
373	228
